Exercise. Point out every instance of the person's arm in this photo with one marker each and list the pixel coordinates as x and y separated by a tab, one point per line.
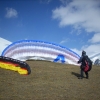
80	60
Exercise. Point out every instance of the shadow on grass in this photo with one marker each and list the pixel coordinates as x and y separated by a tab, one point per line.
76	74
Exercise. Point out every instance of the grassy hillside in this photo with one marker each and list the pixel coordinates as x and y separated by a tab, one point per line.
49	81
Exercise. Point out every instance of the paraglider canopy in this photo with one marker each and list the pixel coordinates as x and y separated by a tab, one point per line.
40	50
15	65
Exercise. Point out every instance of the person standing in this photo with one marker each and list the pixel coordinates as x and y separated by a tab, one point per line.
86	65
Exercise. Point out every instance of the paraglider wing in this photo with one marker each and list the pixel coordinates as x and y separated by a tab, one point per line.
15	65
40	50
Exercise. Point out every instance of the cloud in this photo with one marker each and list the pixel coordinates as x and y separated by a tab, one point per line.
10	13
83	13
90	49
93	49
77	51
78	28
64	41
95	38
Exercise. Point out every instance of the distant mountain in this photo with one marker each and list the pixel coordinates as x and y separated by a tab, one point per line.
3	44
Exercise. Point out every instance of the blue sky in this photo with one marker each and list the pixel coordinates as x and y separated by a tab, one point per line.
71	23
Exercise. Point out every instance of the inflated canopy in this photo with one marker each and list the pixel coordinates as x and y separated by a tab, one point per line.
40	50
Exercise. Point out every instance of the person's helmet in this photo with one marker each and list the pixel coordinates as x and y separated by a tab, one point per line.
83	52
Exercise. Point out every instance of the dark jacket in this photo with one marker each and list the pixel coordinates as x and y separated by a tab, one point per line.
83	59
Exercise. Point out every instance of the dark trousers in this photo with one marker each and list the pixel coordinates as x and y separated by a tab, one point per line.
81	72
86	73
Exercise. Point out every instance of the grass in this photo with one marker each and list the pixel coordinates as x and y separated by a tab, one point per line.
50	81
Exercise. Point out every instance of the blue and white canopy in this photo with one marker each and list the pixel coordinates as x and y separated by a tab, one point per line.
40	50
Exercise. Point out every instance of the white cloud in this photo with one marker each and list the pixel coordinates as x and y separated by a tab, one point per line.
84	13
11	13
64	41
81	14
90	49
78	28
93	49
95	38
77	51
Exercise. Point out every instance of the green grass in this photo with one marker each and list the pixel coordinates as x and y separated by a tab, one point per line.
50	81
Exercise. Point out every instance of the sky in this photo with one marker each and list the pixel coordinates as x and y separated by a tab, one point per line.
74	24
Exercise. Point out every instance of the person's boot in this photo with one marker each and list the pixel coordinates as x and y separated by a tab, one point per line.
80	77
87	77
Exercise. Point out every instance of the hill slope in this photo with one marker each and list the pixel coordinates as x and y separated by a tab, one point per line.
49	81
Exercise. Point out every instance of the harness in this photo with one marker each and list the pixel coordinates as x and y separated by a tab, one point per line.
88	64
